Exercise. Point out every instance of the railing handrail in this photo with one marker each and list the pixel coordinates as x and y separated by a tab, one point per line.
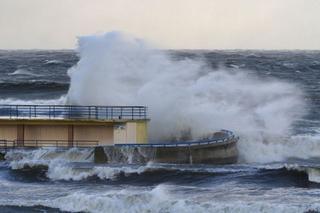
66	105
7	144
74	112
228	136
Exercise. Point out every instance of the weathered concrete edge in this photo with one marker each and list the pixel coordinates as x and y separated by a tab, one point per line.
221	153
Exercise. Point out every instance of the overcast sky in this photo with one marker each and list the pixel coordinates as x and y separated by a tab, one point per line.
176	24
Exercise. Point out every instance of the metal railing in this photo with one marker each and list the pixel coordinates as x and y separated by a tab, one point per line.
73	112
227	136
10	144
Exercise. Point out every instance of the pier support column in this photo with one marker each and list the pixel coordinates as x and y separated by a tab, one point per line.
70	135
20	135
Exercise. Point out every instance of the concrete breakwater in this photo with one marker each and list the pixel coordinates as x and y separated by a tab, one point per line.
220	148
222	151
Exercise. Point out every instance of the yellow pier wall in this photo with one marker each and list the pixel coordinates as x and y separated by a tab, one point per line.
45	132
8	132
105	132
131	132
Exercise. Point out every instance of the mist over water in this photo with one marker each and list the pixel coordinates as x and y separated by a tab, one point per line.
186	95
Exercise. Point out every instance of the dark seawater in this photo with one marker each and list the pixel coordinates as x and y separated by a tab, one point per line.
40	77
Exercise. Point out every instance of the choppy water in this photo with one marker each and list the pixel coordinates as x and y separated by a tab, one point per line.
70	182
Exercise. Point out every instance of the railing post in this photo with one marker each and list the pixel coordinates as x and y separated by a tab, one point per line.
132	112
145	112
111	112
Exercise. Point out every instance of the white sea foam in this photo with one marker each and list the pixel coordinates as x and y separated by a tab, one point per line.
50	157
21	71
160	199
60	167
187	95
65	172
53	62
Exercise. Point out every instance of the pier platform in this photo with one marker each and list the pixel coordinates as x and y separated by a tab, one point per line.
69	126
116	134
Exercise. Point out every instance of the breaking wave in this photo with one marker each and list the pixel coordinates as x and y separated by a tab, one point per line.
49	157
77	165
186	96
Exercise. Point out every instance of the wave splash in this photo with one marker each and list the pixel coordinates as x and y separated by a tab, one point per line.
186	96
47	157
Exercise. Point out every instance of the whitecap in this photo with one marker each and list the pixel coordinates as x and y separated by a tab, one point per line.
53	62
24	72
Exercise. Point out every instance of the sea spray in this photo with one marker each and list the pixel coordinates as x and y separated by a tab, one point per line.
183	95
46	157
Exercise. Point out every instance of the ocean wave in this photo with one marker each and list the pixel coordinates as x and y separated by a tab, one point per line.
160	199
77	165
28	209
19	159
33	85
313	171
64	172
279	149
53	62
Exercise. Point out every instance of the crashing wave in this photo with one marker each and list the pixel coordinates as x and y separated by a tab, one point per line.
19	159
194	96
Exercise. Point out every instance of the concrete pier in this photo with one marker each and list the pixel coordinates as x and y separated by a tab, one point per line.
71	126
214	152
118	134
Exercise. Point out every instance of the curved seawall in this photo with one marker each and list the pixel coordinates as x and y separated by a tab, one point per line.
211	151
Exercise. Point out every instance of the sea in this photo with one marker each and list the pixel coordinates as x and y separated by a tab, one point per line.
47	180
